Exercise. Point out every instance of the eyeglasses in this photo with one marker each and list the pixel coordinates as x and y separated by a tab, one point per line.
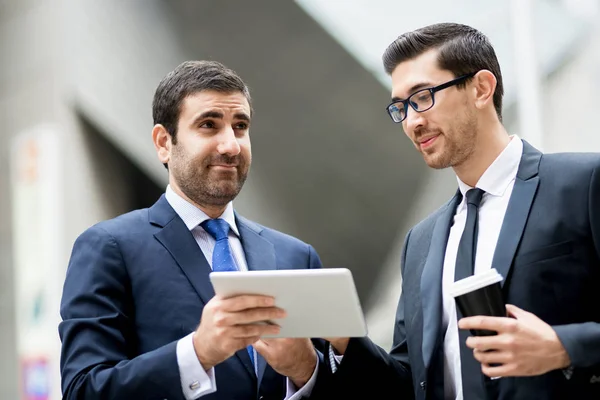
421	100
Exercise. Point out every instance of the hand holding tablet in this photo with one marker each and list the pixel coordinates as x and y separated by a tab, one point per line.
318	302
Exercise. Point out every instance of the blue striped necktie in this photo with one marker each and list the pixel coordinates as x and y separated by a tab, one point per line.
222	259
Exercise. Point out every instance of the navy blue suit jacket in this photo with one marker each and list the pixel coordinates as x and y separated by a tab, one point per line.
137	284
549	253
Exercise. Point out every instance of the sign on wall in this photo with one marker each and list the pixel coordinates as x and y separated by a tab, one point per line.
37	244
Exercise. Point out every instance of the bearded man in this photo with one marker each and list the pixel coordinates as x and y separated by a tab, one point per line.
140	319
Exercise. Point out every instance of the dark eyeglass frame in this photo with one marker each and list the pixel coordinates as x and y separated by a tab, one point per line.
431	90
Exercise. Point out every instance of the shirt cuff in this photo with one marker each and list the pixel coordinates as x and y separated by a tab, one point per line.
195	381
293	393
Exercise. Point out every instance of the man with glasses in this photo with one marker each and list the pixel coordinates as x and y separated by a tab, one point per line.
533	217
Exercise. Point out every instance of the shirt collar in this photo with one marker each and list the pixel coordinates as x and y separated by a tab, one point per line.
501	172
192	216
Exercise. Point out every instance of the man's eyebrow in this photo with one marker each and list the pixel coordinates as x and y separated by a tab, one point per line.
219	115
207	114
243	116
414	88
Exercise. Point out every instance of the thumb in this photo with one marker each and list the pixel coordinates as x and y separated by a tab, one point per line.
264	342
260	346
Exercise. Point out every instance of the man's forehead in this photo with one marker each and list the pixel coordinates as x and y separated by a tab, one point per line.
209	99
413	75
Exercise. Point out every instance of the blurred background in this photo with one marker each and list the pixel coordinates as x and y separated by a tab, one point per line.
76	86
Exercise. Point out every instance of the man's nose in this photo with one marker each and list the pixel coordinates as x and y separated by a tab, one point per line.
228	142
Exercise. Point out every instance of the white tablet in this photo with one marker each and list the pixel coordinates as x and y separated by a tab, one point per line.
320	303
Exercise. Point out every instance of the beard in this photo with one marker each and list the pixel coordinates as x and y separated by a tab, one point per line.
458	143
204	185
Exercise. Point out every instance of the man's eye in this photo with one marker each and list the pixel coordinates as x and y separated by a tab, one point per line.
241	125
422	97
208	124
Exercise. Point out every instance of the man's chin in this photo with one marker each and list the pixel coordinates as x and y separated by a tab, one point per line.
435	162
218	199
225	190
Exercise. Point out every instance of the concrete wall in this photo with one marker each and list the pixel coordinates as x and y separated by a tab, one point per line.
33	92
570	107
27	97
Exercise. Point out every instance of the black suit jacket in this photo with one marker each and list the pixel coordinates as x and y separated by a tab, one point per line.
549	253
137	284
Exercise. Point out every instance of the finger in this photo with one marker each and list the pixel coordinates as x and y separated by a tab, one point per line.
243	343
272	341
244	302
498	371
259	315
493	356
497	324
483	343
252	330
246	341
488	343
261	346
263	342
516	312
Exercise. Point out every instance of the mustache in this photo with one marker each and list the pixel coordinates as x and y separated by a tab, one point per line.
223	159
421	132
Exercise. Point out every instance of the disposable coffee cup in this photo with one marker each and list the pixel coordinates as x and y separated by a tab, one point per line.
480	294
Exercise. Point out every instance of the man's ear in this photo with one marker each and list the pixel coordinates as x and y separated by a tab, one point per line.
162	142
484	85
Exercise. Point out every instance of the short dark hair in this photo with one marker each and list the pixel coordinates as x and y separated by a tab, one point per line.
188	78
462	50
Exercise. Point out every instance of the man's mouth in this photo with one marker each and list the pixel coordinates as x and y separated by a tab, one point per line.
426	142
224	166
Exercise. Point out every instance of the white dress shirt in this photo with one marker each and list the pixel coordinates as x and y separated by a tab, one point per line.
195	381
497	182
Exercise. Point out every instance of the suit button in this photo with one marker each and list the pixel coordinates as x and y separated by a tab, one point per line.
423	385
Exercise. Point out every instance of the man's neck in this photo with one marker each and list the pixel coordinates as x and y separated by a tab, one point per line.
211	211
487	149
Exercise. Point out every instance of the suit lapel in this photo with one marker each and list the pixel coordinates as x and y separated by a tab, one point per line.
260	255
431	279
182	246
519	205
180	243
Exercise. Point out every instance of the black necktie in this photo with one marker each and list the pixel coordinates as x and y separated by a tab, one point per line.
472	378
465	258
